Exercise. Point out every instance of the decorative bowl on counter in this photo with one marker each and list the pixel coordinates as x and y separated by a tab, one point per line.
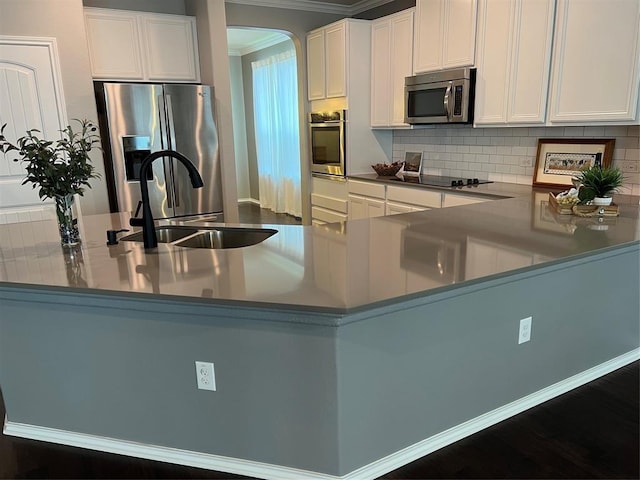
387	169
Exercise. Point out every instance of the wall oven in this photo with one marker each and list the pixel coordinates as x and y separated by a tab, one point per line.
327	137
446	96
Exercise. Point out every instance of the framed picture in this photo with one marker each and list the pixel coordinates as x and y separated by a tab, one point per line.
560	159
412	163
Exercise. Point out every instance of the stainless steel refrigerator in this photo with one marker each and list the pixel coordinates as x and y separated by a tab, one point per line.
137	119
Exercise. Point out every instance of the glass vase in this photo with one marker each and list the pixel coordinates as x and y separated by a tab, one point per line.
67	220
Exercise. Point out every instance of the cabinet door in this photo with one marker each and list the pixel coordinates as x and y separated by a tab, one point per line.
171	48
335	48
595	61
114	45
395	208
495	22
401	64
459	34
316	65
530	61
357	207
380	75
375	208
427	35
450	200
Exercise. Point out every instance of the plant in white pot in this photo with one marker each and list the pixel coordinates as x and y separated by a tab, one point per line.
599	183
59	169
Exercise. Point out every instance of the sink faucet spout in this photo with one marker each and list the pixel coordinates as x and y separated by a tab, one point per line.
148	231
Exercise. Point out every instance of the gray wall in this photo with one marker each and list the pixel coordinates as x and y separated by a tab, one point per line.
64	21
239	128
247	76
175	7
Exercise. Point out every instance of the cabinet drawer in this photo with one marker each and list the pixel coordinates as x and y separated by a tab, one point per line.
415	196
368	189
329	203
457	200
328	216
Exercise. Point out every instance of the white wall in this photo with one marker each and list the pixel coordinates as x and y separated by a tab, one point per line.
239	128
64	21
508	154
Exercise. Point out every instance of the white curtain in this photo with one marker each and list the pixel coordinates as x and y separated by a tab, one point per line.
275	102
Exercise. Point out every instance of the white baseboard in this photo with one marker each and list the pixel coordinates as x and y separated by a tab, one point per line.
276	472
249	200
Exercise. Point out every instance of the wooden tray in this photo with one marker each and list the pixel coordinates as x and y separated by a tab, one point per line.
584	210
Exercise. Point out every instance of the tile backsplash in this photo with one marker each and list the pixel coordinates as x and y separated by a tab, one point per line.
508	154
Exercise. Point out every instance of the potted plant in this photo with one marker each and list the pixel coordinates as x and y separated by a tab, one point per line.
598	183
59	169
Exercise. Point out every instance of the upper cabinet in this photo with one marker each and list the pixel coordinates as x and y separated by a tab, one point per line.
327	61
595	61
513	61
444	34
391	62
128	45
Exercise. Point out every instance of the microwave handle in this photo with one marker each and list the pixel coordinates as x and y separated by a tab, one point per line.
447	96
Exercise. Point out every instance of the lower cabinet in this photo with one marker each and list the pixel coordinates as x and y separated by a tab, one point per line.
407	199
453	200
486	258
366	199
328	200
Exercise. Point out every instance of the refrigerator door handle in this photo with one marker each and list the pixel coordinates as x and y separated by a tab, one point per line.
163	138
172	138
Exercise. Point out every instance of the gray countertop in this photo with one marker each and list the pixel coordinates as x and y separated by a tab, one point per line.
493	189
333	267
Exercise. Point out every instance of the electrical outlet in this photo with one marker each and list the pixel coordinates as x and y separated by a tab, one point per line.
524	334
206	376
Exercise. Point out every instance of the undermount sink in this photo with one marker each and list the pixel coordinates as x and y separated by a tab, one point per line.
210	237
227	237
164	234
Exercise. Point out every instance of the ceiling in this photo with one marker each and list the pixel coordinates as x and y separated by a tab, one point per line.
340	7
246	40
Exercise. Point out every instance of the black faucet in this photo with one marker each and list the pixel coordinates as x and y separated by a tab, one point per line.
148	230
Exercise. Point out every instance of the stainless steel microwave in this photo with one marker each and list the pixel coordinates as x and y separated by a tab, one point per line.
446	96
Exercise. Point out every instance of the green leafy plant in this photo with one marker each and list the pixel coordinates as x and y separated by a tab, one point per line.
56	167
599	181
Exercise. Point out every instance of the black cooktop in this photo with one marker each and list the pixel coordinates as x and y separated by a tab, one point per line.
438	181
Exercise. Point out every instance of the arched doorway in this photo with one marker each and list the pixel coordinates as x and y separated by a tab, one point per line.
266	122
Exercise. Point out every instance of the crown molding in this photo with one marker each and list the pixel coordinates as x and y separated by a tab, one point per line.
311	6
254	47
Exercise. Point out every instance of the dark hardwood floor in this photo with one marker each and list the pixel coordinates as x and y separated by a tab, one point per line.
252	213
590	432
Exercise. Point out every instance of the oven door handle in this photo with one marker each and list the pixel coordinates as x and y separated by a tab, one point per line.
447	97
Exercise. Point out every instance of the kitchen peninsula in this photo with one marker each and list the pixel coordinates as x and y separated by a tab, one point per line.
340	351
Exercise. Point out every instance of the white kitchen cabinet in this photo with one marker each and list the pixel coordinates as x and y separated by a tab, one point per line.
171	46
595	71
391	62
328	59
486	258
513	61
408	199
316	83
444	34
328	200
114	44
366	199
454	200
128	45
